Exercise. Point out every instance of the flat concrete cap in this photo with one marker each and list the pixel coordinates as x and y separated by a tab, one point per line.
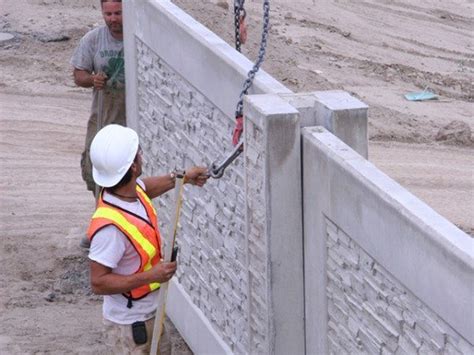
337	100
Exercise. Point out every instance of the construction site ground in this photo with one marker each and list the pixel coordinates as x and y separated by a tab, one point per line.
46	305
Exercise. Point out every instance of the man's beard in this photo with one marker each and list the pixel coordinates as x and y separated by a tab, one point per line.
115	27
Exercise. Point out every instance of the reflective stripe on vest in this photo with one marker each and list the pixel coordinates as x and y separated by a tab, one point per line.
144	237
148	206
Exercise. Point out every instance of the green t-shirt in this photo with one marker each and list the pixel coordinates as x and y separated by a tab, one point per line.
98	52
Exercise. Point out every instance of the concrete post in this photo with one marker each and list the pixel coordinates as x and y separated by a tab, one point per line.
274	226
340	113
130	10
344	116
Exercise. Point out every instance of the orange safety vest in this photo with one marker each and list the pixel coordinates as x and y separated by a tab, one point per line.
144	236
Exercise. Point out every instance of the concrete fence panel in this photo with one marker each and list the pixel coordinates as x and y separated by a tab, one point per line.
383	271
183	84
375	269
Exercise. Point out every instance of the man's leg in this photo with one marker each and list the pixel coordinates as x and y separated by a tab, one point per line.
113	111
86	165
119	338
114	337
114	108
164	347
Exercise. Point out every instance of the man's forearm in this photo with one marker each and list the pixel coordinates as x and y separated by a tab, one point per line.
83	78
157	185
111	283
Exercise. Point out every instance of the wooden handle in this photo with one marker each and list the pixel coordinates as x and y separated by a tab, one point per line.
163	290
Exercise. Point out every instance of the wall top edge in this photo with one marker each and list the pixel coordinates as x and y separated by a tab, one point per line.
270	104
337	100
442	232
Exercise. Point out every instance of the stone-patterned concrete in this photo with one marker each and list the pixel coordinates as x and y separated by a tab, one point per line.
371	312
241	265
274	226
256	232
178	128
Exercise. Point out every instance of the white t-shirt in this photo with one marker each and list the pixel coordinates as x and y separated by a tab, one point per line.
111	248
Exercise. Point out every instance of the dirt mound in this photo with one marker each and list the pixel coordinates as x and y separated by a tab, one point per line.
360	47
456	132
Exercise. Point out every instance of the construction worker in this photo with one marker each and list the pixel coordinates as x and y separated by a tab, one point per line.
125	254
98	63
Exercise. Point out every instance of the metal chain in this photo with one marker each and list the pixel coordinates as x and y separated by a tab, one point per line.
217	169
239	13
261	55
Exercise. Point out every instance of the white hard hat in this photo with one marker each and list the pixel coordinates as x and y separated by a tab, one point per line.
112	152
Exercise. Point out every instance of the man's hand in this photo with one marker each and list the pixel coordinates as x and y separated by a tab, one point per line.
163	271
157	185
85	79
197	175
99	81
243	30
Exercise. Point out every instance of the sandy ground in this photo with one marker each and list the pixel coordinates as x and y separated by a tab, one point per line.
377	50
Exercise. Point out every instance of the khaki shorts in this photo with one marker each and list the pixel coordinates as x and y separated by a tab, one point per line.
119	339
113	112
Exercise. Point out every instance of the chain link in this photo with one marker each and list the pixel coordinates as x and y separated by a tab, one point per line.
261	56
239	14
217	169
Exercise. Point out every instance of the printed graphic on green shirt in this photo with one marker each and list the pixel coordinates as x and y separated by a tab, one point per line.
114	69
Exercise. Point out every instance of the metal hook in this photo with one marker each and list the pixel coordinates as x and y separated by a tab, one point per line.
217	170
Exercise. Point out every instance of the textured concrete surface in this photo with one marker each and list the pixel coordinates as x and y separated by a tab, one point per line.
235	262
371	311
427	255
184	112
179	127
274	225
